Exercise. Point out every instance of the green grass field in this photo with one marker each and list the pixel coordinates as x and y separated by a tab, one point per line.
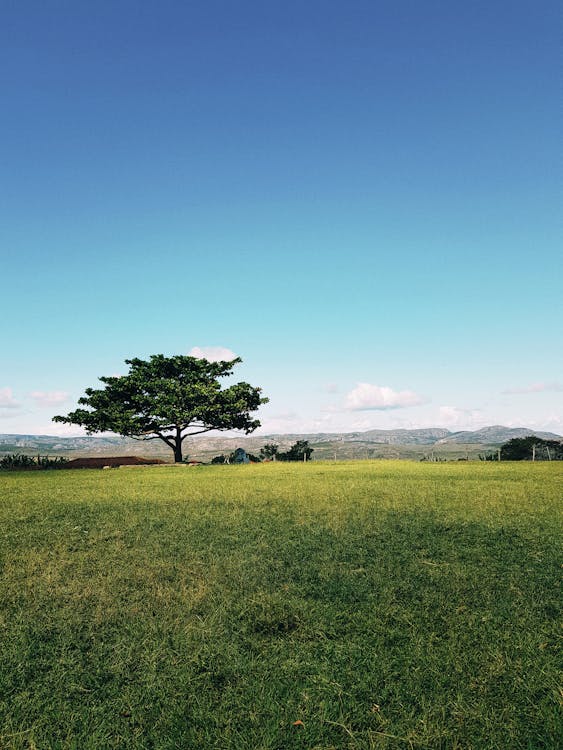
380	605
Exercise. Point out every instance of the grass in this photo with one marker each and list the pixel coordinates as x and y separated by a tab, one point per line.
378	604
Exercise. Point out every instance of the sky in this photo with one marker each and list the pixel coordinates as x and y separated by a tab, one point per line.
360	198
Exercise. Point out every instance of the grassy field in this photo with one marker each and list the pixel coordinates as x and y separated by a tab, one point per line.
349	605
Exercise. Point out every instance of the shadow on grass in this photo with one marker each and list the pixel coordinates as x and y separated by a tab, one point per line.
388	629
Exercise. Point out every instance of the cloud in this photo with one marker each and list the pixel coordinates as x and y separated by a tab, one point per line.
549	423
366	396
536	388
331	388
60	430
452	416
7	400
212	353
49	398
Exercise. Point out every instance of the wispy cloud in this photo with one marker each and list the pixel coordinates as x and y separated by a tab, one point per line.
548	423
212	353
536	388
49	398
9	407
366	396
331	388
60	430
7	400
452	416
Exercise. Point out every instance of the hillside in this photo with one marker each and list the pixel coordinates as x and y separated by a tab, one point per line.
412	444
494	435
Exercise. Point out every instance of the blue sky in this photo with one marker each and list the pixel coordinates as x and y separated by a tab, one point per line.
361	199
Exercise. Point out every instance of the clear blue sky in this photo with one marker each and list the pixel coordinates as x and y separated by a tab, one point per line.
362	199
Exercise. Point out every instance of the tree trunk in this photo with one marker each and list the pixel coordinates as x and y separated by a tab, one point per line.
178	445
178	452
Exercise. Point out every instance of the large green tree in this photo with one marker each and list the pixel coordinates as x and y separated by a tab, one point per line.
168	399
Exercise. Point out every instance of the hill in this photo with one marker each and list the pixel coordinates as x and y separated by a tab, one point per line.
495	435
403	443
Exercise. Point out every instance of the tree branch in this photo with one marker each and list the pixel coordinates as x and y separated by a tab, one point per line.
158	436
198	432
170	442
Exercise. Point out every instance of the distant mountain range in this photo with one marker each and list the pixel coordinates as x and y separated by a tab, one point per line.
369	444
494	435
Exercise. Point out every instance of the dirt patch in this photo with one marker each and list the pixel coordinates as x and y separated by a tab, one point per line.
113	461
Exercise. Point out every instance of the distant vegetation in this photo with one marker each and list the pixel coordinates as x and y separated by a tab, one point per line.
408	444
530	448
299	451
269	452
20	461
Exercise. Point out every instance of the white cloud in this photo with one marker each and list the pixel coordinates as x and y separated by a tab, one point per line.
366	396
212	353
7	400
332	388
549	423
60	430
49	398
536	388
287	422
283	422
467	419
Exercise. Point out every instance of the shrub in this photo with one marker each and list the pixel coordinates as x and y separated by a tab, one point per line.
531	448
299	451
19	461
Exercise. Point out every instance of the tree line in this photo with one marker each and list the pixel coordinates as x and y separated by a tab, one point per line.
299	451
529	448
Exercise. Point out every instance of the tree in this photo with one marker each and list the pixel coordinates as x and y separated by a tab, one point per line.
531	448
168	399
269	451
299	451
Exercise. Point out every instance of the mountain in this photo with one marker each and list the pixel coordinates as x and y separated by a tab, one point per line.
494	435
17	443
370	444
427	436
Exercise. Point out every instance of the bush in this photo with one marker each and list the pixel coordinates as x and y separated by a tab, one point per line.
494	456
531	448
19	461
299	451
269	452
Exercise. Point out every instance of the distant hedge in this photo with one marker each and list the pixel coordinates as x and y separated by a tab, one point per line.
532	448
19	461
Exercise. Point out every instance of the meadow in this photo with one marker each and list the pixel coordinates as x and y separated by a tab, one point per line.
352	605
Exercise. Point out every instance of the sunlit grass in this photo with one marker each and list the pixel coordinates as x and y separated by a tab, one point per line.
383	605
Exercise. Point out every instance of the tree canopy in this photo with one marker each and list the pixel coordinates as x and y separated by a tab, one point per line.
299	451
269	451
532	448
168	398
